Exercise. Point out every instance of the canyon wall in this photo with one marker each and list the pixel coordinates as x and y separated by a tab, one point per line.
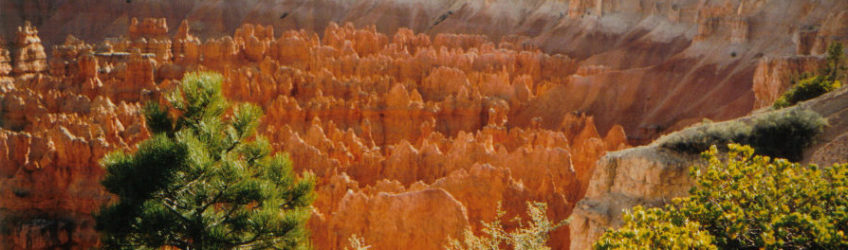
408	134
652	176
773	76
647	176
405	104
658	53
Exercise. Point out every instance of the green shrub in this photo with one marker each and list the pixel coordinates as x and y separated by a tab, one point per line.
204	180
806	89
655	228
785	134
782	134
532	236
811	87
742	201
835	67
697	139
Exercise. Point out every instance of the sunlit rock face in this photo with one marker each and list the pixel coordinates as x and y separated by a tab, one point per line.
398	128
775	75
652	176
379	124
639	59
29	56
412	114
5	65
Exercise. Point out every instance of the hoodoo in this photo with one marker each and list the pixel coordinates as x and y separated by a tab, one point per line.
420	120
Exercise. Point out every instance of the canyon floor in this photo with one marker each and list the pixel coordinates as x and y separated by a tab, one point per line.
417	117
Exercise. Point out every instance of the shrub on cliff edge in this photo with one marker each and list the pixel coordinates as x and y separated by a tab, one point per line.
784	134
827	80
806	89
204	180
743	201
532	236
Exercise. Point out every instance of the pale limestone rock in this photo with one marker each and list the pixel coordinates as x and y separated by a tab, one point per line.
645	175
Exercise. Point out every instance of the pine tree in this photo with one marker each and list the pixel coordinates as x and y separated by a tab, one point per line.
204	180
835	67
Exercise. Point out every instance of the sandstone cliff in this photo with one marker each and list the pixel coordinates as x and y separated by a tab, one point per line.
651	175
646	175
775	75
404	105
50	146
407	127
657	54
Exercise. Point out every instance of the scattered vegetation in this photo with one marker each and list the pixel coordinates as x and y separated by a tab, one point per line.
784	134
532	236
828	79
806	89
356	243
204	180
835	68
655	228
743	201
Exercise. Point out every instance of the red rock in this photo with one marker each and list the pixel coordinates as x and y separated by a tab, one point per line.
217	52
775	75
383	129
833	29
186	46
29	56
51	141
5	66
415	220
138	78
148	27
386	109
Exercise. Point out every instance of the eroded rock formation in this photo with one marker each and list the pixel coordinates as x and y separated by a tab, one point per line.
652	176
5	65
646	176
459	103
29	54
661	45
405	127
775	75
50	146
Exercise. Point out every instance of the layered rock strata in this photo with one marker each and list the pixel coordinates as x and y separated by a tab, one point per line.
660	53
652	176
402	106
398	128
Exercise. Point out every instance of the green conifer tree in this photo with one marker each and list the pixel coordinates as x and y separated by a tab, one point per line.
835	67
204	180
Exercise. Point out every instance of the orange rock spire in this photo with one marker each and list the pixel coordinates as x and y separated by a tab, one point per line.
396	128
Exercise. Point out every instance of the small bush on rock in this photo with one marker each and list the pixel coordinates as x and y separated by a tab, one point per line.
811	87
532	236
743	201
782	134
806	89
